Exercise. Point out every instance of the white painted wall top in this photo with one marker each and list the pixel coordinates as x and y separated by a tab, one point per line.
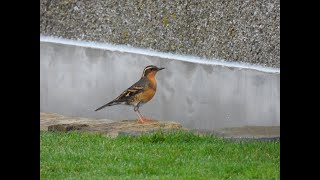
151	52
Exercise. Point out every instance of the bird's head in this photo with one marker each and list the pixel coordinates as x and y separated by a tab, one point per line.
150	71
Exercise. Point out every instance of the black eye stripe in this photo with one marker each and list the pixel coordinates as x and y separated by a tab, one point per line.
148	69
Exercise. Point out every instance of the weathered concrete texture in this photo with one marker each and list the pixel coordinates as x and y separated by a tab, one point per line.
56	122
247	31
74	81
49	119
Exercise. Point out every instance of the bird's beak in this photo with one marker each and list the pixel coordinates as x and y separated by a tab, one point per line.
160	69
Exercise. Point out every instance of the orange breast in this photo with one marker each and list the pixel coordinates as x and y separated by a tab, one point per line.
148	95
150	89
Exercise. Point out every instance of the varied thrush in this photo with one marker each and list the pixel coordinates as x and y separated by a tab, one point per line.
139	93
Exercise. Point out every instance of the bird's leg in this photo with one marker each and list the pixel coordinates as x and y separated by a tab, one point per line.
146	119
141	118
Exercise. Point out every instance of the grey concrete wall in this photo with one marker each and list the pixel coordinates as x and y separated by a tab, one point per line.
76	80
233	30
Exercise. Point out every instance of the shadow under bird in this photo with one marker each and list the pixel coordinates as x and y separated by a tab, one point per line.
139	93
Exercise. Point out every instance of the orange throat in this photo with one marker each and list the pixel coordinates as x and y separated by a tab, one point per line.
152	79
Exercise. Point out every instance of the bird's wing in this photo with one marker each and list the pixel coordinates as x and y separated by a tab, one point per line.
128	93
131	91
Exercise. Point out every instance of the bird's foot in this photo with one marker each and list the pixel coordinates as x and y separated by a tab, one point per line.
141	122
146	120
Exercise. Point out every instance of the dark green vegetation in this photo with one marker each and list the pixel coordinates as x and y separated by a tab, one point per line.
178	155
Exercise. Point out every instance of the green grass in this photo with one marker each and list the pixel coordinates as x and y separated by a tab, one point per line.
157	156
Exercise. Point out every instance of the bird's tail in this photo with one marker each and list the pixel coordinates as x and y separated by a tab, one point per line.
109	104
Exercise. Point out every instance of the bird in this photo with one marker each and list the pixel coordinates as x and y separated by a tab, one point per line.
139	93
